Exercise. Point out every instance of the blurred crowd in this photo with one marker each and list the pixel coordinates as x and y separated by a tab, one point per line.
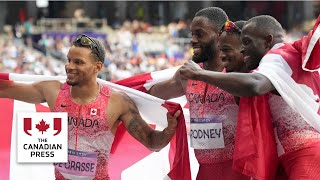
133	48
16	57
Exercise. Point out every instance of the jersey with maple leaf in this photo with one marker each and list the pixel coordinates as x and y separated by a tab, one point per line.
87	129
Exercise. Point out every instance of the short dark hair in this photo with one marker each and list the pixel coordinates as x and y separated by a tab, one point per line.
99	48
267	24
240	23
216	15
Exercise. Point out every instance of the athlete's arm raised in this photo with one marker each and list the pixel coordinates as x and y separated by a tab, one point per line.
38	92
121	107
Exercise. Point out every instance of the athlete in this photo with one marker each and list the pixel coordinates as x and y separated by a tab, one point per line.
85	99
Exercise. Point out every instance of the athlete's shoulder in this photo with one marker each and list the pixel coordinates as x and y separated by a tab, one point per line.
118	95
121	99
49	85
105	90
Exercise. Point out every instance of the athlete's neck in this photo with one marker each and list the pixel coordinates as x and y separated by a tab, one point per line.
214	64
86	93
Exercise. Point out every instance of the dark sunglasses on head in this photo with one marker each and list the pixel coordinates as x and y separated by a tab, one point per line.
85	40
229	26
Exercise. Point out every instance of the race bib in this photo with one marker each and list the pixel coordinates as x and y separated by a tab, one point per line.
81	165
206	133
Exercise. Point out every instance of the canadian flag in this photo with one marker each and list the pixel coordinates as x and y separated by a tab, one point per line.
172	162
94	112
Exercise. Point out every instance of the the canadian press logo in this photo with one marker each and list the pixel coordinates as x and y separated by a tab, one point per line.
42	137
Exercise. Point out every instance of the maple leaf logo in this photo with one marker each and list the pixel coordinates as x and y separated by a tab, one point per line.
42	126
94	112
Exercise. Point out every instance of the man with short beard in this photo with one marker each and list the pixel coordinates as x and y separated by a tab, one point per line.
82	97
213	112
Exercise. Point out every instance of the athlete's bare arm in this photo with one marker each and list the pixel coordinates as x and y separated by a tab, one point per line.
172	88
237	84
121	107
38	92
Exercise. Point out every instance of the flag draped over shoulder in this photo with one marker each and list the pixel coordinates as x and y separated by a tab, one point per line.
128	160
296	78
293	70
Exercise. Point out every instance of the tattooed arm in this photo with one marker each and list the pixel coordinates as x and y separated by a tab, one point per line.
137	127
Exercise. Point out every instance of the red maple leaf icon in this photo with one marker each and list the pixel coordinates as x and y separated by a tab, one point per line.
42	126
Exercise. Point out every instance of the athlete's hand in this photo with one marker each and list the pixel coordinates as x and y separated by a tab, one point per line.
183	81
190	70
172	120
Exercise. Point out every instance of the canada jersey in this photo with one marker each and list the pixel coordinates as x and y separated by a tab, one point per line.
213	120
89	136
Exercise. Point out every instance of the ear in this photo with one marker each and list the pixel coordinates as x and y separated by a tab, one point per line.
99	66
268	41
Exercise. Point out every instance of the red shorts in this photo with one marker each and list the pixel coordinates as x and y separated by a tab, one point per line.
219	171
303	164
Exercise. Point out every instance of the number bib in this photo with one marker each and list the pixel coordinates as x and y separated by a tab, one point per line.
81	165
206	133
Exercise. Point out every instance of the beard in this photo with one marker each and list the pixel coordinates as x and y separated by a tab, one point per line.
207	53
72	83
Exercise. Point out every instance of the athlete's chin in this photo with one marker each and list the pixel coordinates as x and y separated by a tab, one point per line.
198	59
230	67
72	83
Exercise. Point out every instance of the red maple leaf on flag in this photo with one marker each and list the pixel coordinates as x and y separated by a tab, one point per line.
42	126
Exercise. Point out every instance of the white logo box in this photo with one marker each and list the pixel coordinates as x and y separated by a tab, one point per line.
39	139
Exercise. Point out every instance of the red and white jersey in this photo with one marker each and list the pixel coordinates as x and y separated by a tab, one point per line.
88	130
292	132
210	106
